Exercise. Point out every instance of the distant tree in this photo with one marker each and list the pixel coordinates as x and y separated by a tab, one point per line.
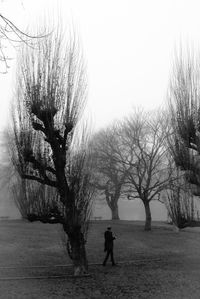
145	159
47	149
109	173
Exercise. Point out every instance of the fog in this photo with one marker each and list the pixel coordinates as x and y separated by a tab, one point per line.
7	205
131	210
129	48
128	209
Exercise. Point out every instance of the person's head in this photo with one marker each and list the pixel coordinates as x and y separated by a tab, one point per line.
109	228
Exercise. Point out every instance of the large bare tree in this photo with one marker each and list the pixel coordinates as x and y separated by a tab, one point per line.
50	97
145	159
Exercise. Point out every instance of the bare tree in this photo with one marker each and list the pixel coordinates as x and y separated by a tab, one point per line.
51	94
109	173
184	110
145	157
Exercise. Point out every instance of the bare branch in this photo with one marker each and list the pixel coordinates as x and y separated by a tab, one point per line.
184	110
45	181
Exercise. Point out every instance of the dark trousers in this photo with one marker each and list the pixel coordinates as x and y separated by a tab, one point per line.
109	253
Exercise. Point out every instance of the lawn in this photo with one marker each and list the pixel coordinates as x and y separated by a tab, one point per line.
156	264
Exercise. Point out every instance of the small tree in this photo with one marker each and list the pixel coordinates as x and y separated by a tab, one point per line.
51	94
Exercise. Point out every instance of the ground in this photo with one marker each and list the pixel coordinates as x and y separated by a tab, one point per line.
157	264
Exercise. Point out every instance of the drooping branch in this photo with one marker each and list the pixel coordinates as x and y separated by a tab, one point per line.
45	181
14	35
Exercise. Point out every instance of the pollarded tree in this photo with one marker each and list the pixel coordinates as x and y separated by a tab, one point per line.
109	173
184	109
144	144
51	94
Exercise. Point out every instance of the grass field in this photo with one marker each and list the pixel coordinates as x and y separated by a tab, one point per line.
157	264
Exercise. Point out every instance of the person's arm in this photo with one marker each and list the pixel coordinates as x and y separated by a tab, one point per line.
113	237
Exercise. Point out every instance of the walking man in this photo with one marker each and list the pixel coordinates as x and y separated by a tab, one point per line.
108	246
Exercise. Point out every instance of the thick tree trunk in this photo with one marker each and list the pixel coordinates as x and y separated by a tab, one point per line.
77	251
78	255
115	212
148	216
112	202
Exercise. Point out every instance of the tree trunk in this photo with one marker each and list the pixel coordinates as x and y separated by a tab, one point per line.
115	212
78	254
148	216
77	251
112	202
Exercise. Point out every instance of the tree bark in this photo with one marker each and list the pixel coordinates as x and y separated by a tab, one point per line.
148	216
77	250
115	212
112	202
79	258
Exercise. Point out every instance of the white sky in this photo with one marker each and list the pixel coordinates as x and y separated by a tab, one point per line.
128	45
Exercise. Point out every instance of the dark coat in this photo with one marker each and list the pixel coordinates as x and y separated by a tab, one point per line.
108	245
